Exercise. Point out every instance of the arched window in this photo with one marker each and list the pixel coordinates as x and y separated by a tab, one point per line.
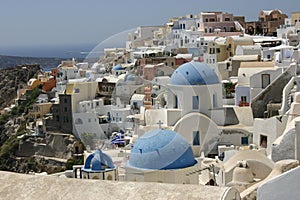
78	121
109	177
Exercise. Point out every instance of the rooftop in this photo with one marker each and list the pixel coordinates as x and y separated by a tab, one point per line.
22	186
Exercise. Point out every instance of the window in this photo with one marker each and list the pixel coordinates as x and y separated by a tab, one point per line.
195	102
244	141
215	104
78	121
263	141
176	102
196	138
243	99
66	109
65	100
218	50
265	79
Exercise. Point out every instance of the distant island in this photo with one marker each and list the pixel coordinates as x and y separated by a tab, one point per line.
45	63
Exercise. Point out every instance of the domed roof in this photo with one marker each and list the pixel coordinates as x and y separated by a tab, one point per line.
194	73
117	67
161	150
130	77
97	160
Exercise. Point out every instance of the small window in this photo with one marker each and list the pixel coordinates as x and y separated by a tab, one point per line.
176	102
195	102
263	141
215	103
66	109
196	138
244	141
243	99
265	78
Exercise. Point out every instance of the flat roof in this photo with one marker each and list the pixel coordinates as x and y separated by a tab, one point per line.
257	64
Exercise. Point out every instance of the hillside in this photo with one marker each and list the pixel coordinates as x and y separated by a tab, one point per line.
45	63
13	78
20	149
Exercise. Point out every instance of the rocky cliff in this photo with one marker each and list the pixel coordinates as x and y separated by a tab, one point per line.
13	78
21	150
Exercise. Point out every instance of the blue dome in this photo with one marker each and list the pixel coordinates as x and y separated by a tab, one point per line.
117	67
97	160
161	150
194	73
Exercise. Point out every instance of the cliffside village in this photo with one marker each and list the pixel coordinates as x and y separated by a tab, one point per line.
206	99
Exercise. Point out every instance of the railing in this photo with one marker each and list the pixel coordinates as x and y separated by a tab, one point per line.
285	95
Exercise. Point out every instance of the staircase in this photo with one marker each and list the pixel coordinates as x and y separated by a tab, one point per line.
275	93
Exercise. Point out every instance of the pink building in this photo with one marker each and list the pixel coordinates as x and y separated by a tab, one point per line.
209	21
150	71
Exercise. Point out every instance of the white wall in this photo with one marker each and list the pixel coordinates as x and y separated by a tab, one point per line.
271	127
90	124
256	80
176	176
284	186
242	91
208	130
205	95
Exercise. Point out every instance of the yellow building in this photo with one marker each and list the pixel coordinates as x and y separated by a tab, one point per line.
81	91
39	110
233	41
295	18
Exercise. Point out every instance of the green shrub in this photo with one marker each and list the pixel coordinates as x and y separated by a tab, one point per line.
74	161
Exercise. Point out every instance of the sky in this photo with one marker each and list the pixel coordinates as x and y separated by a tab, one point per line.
52	24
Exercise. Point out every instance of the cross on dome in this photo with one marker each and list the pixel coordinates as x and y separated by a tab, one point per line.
159	124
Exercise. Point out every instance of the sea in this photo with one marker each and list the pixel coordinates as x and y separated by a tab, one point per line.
53	51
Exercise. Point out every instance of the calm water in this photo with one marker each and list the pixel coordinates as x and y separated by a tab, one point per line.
63	51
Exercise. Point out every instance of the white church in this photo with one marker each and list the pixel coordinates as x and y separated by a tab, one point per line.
193	107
